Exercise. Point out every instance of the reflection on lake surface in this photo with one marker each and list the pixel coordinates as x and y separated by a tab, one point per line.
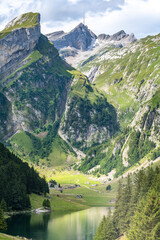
80	225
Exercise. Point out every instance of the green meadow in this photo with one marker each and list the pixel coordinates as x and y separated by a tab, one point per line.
93	192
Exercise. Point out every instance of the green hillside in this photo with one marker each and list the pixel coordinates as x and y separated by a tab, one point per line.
53	115
51	108
27	20
88	118
129	78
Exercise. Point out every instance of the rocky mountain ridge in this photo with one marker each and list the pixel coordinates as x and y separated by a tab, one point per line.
42	94
81	33
109	117
81	40
119	36
131	79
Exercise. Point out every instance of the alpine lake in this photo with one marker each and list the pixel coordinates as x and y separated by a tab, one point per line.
80	225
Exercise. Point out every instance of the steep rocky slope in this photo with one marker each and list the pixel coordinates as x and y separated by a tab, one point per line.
52	113
36	81
131	79
79	38
88	119
24	32
41	95
80	43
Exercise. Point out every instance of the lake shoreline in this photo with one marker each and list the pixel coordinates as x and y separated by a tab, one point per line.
48	226
4	236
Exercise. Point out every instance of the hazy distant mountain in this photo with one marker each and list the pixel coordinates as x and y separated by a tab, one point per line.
80	38
82	42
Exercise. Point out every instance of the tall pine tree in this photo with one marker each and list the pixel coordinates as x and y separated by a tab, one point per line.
3	224
145	223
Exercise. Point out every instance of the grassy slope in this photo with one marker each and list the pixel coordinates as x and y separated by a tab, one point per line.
126	75
8	237
123	238
60	154
23	144
28	20
123	73
44	99
79	87
23	141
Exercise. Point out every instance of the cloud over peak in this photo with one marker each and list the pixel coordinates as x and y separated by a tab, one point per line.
139	16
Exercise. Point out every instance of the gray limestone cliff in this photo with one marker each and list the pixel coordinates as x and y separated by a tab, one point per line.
33	90
18	39
119	36
80	38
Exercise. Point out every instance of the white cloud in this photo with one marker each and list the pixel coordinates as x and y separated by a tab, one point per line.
10	9
138	16
105	16
73	1
141	17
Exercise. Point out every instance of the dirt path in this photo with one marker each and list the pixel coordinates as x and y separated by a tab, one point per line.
138	168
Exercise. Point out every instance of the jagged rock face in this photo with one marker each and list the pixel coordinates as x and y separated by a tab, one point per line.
6	123
86	123
119	36
148	120
80	38
40	92
33	88
122	35
18	43
103	36
55	35
81	45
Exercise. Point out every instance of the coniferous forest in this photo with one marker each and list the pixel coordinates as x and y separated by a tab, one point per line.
137	209
17	181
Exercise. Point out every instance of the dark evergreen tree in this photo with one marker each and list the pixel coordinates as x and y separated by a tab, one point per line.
18	180
3	224
145	223
100	234
137	208
46	203
3	205
106	229
108	187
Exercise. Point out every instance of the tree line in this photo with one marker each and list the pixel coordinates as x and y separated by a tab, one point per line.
137	209
17	180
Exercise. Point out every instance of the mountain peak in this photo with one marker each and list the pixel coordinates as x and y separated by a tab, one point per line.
84	30
26	20
80	38
81	25
18	39
119	35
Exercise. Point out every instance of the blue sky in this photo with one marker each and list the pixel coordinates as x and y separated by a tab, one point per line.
141	17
